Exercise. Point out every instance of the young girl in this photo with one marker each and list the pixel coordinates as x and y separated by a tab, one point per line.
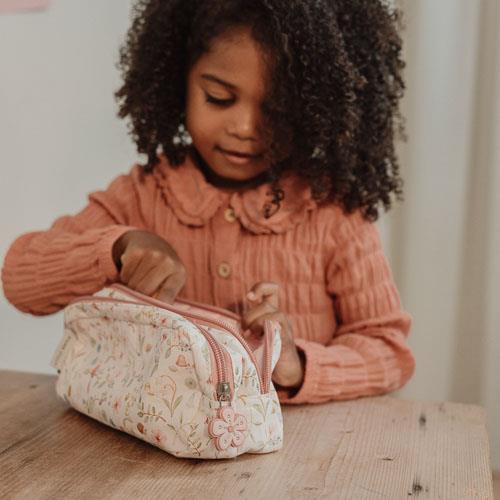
268	128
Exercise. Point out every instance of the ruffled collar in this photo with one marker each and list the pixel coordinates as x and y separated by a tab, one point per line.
195	201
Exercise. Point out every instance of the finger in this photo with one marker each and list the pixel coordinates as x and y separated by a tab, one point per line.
129	261
254	331
262	309
155	277
171	287
265	291
141	270
133	259
257	326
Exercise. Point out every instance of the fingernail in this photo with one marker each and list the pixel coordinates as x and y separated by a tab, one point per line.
251	295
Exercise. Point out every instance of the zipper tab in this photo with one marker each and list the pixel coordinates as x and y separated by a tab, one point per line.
223	391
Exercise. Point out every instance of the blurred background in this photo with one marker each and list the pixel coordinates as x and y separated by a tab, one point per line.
60	139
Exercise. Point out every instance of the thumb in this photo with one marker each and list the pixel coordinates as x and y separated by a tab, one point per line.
170	288
167	295
265	291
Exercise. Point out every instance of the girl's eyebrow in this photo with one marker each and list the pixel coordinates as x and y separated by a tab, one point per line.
215	79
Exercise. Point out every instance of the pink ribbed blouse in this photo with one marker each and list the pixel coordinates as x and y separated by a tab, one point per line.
336	286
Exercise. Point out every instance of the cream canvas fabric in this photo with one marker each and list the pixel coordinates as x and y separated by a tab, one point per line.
180	376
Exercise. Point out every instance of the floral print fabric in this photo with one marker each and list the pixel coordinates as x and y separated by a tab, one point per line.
151	373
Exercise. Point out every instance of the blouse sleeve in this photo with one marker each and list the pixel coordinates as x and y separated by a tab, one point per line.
368	354
44	270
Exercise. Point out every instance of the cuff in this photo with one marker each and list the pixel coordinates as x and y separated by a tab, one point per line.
107	265
306	391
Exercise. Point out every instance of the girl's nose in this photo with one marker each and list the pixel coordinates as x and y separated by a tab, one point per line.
244	124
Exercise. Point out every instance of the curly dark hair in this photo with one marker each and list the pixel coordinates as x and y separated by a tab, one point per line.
332	102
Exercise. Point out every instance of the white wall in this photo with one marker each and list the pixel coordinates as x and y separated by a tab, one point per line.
59	137
430	235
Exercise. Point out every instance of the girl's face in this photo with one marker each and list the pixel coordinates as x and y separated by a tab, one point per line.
225	91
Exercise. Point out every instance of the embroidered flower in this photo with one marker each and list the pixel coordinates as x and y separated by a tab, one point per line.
273	431
227	428
181	361
94	370
116	405
190	383
158	437
161	386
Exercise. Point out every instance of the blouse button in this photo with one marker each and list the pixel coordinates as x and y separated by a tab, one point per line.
224	270
229	215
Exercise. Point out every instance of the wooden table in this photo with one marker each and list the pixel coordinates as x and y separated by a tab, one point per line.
379	447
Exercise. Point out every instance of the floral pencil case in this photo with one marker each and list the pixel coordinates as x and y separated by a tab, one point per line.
180	376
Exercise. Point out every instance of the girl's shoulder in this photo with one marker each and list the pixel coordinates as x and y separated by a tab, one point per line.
141	182
134	178
334	217
346	233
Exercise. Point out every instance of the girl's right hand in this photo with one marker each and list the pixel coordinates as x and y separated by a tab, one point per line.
148	264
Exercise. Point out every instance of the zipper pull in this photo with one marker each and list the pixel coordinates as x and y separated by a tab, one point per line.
223	392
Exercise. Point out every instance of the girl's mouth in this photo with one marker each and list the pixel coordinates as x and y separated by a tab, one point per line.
238	158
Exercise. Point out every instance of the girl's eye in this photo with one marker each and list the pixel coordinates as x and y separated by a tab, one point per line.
218	102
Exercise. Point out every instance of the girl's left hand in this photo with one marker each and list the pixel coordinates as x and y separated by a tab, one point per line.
289	370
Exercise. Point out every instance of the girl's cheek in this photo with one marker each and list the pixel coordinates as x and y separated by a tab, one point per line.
202	120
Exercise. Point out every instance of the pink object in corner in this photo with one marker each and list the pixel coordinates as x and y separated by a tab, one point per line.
10	6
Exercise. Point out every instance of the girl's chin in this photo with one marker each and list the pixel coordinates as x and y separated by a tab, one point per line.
236	172
237	175
219	167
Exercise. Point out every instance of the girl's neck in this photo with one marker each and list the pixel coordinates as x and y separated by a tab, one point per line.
223	183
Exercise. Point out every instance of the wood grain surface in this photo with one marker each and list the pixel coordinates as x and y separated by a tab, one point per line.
379	447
